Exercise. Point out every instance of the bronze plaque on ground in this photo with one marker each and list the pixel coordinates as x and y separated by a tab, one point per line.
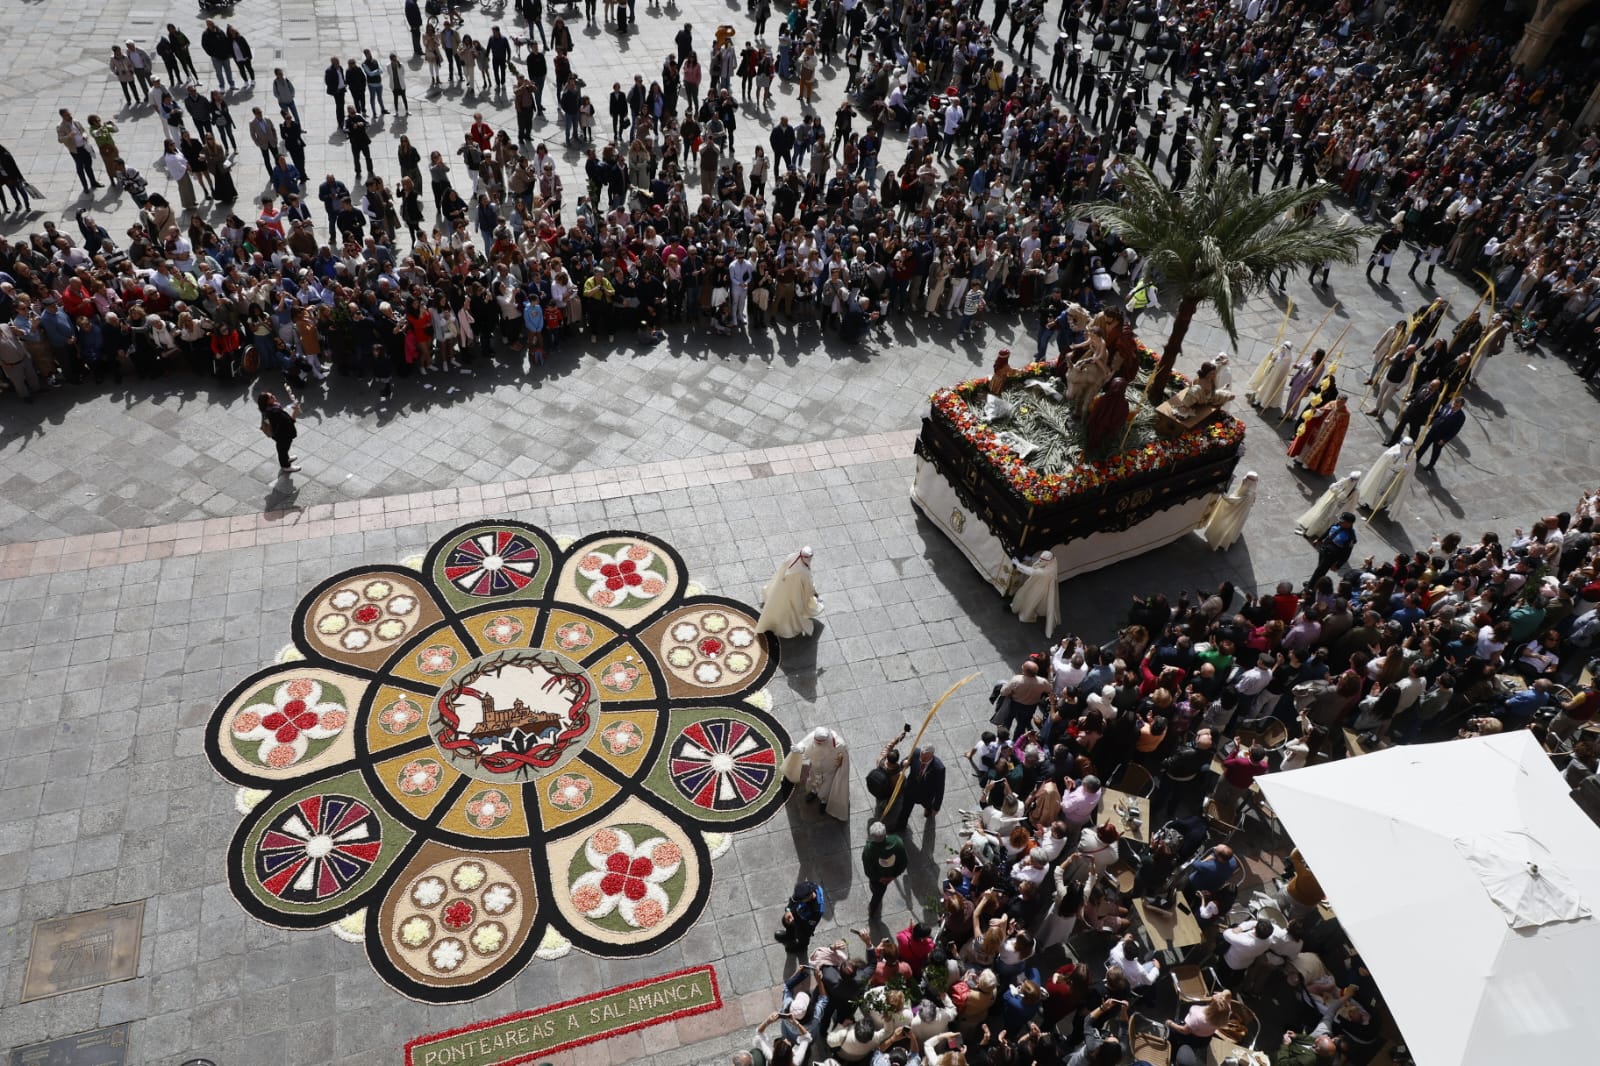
98	1047
84	951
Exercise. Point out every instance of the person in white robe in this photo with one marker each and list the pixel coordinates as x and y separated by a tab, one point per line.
1226	520
1340	497
1384	487
820	764
1039	596
790	601
1266	384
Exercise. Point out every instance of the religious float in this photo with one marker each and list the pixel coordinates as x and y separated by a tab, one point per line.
1011	471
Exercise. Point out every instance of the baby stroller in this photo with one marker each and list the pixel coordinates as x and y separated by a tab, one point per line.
133	183
806	906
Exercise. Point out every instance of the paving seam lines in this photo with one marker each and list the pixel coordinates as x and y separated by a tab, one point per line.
90	551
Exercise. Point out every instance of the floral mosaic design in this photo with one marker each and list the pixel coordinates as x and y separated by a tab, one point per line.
298	719
520	752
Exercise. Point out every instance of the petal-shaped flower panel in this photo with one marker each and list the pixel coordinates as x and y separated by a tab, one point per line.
488	563
360	617
710	647
455	920
314	853
631	885
284	723
721	766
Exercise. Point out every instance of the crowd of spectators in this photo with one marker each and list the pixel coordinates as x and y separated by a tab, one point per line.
944	183
1037	948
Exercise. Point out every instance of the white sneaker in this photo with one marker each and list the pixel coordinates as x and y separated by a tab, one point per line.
288	469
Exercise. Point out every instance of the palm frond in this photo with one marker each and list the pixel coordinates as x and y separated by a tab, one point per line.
1217	242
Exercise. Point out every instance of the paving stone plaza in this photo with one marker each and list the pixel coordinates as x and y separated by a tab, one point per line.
152	559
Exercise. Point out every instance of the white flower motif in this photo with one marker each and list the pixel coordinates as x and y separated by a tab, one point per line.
488	938
428	892
356	639
685	632
416	931
681	657
391	629
468	876
498	899
402	605
708	673
741	637
333	624
344	599
447	955
714	622
378	590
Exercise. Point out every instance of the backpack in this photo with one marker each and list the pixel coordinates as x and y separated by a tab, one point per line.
880	782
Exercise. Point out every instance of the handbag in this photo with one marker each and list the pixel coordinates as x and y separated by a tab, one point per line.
1002	711
33	190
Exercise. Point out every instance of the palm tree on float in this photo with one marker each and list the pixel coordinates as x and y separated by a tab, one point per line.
1214	241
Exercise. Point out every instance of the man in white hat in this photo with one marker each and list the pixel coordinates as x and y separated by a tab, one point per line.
790	602
820	764
1039	595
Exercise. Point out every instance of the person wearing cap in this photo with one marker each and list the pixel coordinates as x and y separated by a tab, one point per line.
820	763
789	602
1334	546
1039	596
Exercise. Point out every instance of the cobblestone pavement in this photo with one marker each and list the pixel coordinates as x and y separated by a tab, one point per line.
733	451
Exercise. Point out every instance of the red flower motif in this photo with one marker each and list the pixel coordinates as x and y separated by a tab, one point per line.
627	566
631	578
287	723
614	583
626	877
711	647
610	570
367	614
457	915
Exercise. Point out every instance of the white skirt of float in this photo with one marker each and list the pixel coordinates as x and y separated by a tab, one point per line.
934	496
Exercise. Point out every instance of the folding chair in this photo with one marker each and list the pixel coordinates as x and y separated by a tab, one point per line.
1190	983
1077	869
1148	1041
1221	827
1242	1026
1135	780
1275	735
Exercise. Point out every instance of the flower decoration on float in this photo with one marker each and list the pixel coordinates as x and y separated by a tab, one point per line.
1222	435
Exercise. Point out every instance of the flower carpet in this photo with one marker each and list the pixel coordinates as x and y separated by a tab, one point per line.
512	750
